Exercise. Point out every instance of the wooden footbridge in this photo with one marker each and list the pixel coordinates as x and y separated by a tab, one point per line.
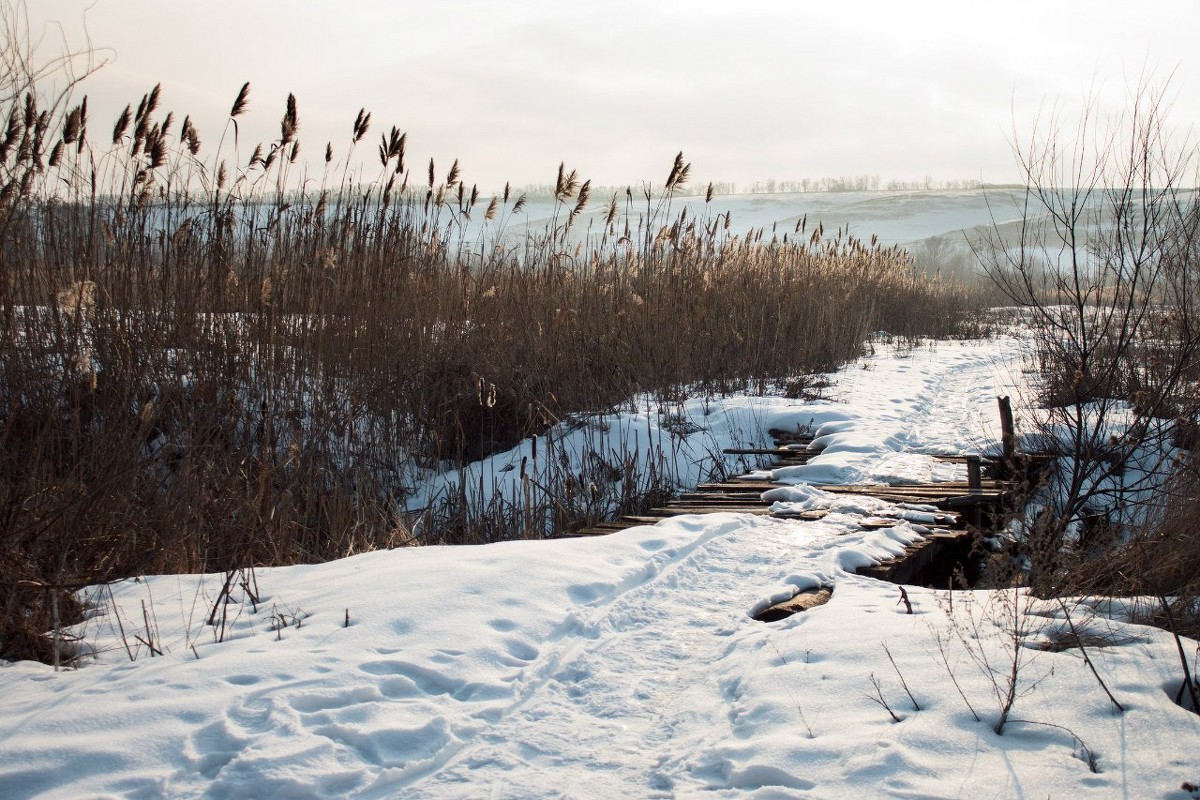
965	508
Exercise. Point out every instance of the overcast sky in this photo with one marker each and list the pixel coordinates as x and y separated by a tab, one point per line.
748	90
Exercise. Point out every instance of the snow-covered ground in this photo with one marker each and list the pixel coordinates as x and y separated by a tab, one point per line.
627	665
896	217
938	227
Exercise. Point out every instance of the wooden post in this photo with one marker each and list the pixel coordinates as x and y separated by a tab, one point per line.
974	474
1008	436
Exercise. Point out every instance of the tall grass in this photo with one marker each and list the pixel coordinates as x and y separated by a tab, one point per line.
210	359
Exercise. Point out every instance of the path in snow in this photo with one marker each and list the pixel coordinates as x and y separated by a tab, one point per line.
627	700
888	415
624	696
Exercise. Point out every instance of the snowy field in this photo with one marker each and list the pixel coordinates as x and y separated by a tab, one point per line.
941	221
901	217
629	665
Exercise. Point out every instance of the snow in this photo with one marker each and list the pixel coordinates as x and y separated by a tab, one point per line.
627	665
901	217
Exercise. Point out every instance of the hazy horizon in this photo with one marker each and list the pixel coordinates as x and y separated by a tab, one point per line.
765	91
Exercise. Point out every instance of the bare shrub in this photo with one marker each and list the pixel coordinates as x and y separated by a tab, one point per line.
1159	559
1103	264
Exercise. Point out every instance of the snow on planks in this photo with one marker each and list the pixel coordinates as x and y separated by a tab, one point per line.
964	504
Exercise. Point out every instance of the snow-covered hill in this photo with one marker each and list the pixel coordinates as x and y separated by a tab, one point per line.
895	217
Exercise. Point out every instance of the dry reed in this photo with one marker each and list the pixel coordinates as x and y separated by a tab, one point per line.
207	366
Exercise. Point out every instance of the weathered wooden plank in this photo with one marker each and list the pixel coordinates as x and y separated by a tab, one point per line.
808	516
943	521
759	485
675	511
948	534
719	495
595	531
957	458
942	487
930	498
720	503
904	568
802	601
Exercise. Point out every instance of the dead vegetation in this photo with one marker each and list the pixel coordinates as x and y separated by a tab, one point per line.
211	360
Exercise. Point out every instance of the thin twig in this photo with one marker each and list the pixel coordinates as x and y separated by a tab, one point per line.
878	698
154	651
954	678
1089	756
57	625
1187	674
1086	660
120	625
904	683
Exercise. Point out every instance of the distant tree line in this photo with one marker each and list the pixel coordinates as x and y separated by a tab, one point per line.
847	183
843	183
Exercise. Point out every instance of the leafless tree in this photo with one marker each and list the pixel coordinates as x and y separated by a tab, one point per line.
1103	262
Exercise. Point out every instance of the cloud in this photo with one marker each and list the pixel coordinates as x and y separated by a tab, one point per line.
749	91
